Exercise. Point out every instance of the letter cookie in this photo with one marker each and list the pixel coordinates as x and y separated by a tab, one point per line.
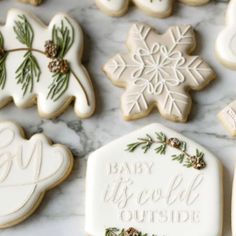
156	8
158	72
228	118
226	41
42	65
28	168
153	181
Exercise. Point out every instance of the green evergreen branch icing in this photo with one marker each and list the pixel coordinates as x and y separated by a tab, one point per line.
59	86
24	31
3	56
161	142
122	232
63	36
29	70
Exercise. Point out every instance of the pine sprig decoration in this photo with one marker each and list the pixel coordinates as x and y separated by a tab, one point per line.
63	36
24	31
29	71
3	56
59	86
183	157
122	232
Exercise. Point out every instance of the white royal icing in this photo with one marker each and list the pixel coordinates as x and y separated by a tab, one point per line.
27	169
154	7
113	5
151	192
157	71
226	41
228	117
234	205
80	88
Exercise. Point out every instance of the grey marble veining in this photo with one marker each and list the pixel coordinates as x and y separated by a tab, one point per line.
62	211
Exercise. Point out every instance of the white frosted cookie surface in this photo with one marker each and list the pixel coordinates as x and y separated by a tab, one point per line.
228	118
157	71
154	192
158	8
28	168
44	62
226	41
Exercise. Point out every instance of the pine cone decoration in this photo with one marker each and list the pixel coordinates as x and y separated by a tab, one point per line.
197	162
59	66
131	232
2	52
51	49
174	142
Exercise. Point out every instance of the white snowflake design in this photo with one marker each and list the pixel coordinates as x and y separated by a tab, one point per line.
158	71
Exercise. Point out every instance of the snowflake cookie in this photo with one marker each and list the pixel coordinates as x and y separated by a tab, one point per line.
42	65
153	181
156	8
28	168
158	71
228	118
226	41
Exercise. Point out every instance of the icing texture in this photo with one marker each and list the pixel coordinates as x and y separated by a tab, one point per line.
55	77
152	191
28	168
158	72
226	41
156	8
228	118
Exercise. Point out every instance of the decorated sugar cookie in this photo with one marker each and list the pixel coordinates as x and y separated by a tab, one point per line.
195	2
228	118
156	8
226	41
33	2
234	205
158	72
42	65
153	181
28	168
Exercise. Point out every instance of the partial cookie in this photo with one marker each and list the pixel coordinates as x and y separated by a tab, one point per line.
156	8
234	206
158	72
28	168
228	118
42	65
195	2
226	41
153	181
33	2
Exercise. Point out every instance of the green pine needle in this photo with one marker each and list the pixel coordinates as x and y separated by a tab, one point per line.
63	36
24	31
28	72
59	86
3	71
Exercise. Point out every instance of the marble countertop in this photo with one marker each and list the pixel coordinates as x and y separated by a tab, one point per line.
62	211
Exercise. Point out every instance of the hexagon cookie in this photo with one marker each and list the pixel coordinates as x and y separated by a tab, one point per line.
153	181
